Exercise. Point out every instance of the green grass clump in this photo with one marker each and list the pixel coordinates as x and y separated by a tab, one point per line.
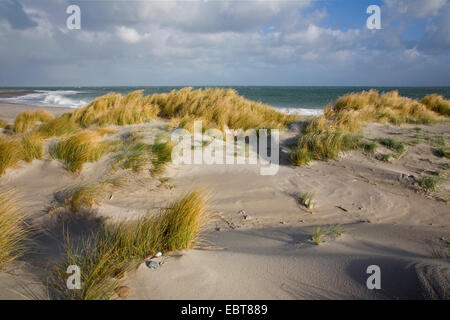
32	146
78	148
13	230
3	123
369	146
429	183
323	146
319	233
10	153
26	119
385	157
117	247
437	104
392	144
134	156
306	199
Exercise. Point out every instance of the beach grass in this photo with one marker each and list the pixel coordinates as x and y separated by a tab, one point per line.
3	123
306	199
324	137
32	145
392	144
319	233
429	183
117	247
14	232
26	119
10	153
81	147
437	104
86	195
64	124
116	109
217	108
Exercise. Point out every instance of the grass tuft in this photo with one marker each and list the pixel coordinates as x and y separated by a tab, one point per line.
117	247
429	183
13	230
306	199
26	119
392	144
78	148
318	233
32	146
324	137
10	153
437	104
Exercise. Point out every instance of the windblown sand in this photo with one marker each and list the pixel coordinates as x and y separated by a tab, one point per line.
258	244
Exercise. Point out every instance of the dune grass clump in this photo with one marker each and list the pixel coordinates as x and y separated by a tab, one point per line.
116	109
26	119
318	234
117	247
326	136
323	146
386	107
137	155
64	124
429	183
32	145
219	108
437	104
10	153
3	123
13	230
392	144
87	195
306	199
79	148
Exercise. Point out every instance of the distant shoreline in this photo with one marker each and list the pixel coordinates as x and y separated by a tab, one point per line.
9	93
9	111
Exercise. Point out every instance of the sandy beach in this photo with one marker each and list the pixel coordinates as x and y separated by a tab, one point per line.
257	244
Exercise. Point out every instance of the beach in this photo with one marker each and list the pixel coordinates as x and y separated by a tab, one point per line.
258	241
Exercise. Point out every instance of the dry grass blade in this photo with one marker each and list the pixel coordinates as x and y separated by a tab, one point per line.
14	232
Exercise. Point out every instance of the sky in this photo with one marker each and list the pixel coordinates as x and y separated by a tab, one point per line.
225	42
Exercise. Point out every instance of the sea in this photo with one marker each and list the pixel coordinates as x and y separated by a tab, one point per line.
291	99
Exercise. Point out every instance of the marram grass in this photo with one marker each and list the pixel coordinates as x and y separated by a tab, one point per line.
13	230
26	119
10	153
79	148
324	137
32	146
117	247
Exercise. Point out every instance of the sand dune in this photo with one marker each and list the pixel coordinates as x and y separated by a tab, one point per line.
258	245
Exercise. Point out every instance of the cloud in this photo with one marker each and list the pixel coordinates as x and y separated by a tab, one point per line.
13	12
130	35
416	8
221	42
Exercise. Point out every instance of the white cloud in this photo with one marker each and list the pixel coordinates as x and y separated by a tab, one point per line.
130	35
416	8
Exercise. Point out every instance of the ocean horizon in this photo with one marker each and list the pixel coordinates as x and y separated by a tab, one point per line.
303	100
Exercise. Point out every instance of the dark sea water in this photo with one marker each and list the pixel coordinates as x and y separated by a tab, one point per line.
301	100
